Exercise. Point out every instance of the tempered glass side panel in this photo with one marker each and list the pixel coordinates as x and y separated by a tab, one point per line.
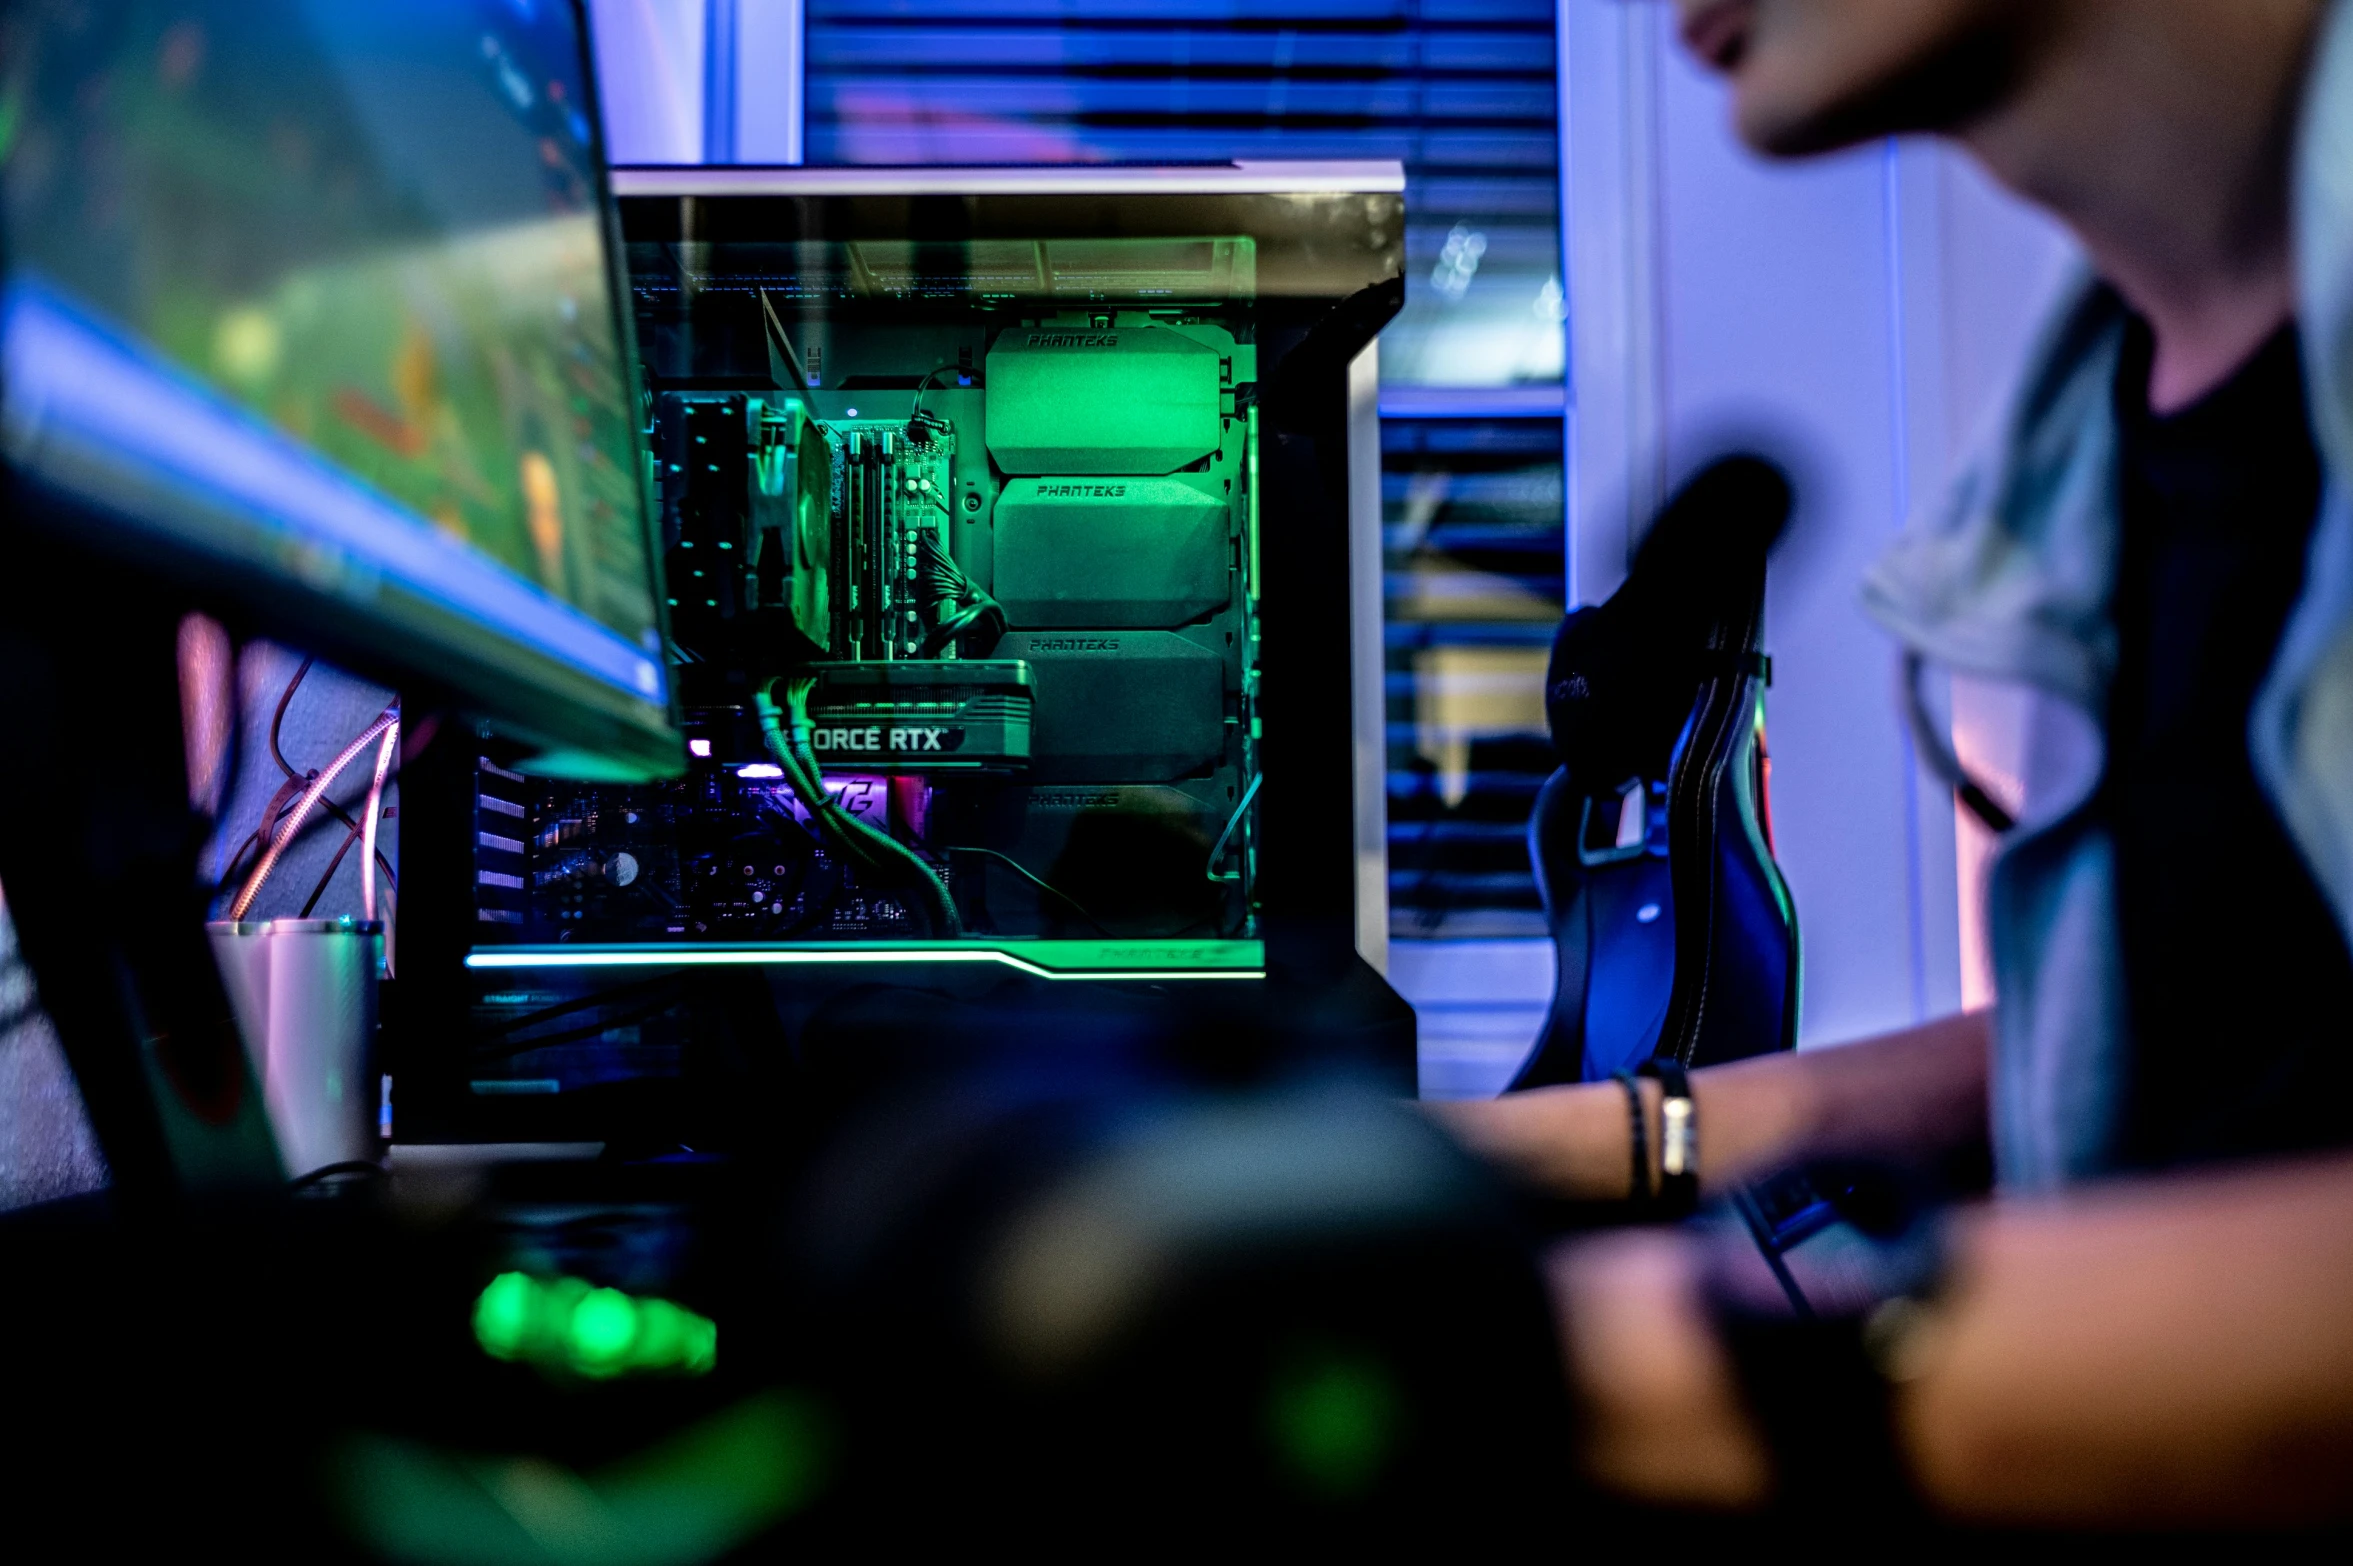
982	468
975	481
1062	415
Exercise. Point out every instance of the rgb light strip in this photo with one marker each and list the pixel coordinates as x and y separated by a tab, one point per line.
1099	961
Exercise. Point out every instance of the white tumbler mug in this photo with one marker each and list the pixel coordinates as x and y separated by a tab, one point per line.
305	996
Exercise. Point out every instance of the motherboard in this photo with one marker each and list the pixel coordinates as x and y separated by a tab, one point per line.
991	567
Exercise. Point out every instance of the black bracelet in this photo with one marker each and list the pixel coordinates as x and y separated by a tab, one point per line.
1678	1136
1638	1190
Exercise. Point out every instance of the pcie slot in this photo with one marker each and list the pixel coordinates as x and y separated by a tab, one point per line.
878	549
852	565
862	557
854	536
841	643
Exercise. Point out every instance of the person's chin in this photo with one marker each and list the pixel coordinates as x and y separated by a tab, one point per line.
1777	130
1783	110
1784	125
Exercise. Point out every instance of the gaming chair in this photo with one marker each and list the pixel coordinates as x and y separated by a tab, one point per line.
1673	930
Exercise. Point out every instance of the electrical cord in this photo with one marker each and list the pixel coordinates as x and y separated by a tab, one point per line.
880	854
295	782
370	859
297	779
918	416
331	812
319	890
386	748
1233	823
325	1172
877	853
959	606
784	344
237	870
302	807
957	624
1043	885
603	997
272	816
508	1048
278	719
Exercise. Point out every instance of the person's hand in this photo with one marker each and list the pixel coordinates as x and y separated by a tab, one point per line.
1663	1418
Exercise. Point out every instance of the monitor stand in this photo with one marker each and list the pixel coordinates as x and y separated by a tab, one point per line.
99	862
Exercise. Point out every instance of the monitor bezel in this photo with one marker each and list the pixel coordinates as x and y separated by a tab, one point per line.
548	714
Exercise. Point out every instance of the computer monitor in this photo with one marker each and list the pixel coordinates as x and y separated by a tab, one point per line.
310	317
314	307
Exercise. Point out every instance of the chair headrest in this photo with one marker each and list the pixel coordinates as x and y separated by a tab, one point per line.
1622	676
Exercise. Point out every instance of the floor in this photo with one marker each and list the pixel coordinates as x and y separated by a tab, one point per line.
1480	1004
46	1148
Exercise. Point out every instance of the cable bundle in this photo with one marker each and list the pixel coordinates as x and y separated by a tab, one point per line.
957	606
876	853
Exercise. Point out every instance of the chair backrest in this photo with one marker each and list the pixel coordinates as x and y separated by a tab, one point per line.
1673	930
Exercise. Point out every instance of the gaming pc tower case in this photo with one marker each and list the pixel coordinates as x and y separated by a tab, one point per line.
1021	531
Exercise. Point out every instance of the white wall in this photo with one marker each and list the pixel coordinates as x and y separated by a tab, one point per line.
649	69
655	62
1860	316
769	98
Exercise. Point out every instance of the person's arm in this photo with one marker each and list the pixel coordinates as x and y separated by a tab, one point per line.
2165	1353
1915	1094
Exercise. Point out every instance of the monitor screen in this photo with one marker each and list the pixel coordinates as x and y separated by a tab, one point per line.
316	302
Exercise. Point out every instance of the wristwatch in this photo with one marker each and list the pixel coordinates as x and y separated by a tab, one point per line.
1678	1136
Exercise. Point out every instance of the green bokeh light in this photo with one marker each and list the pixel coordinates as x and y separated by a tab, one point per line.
502	1316
567	1325
603	1330
687	1498
1335	1420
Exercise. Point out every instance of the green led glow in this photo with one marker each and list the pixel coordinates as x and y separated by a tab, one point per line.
1335	1422
503	1315
691	1497
568	1325
604	1329
1091	960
